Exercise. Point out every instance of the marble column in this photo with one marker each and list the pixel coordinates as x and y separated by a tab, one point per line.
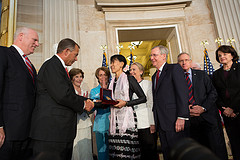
227	17
60	20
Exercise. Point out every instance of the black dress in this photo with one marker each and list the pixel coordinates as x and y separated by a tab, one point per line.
126	146
227	84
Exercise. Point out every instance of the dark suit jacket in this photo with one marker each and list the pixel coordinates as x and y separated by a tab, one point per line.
232	83
17	94
170	98
55	115
205	95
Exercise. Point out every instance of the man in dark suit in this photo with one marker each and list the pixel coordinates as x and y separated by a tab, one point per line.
54	118
170	105
17	94
205	123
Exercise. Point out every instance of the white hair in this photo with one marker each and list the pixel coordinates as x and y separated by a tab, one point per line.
23	30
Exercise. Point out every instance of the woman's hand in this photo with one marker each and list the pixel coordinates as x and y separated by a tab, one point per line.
152	129
85	94
121	103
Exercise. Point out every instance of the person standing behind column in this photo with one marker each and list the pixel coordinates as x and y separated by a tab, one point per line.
205	122
101	121
54	118
170	100
17	94
146	127
82	145
196	66
226	81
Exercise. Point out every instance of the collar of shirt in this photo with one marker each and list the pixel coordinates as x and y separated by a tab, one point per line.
190	74
161	68
19	51
63	63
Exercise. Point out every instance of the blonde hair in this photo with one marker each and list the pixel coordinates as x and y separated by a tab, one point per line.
140	67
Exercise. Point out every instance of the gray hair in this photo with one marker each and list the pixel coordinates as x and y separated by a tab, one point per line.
183	54
23	30
162	49
66	43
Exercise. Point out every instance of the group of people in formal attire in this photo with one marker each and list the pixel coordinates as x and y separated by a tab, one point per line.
46	115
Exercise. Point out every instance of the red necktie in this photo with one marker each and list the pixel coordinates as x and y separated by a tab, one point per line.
157	77
67	72
29	66
190	90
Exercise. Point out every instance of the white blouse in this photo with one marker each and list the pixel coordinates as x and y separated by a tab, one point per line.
144	110
83	120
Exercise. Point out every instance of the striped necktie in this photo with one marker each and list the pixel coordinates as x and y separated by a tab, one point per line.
29	66
190	90
67	72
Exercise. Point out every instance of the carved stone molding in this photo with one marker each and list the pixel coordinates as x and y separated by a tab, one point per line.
140	5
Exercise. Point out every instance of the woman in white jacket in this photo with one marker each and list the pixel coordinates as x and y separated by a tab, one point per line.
145	121
82	146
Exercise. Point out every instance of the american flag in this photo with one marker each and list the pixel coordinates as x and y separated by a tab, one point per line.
208	67
105	64
104	61
131	59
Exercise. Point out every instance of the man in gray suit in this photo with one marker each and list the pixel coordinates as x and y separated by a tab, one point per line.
205	124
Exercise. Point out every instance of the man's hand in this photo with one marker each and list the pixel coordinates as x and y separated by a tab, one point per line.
152	129
233	115
196	110
89	105
2	137
227	111
121	103
179	125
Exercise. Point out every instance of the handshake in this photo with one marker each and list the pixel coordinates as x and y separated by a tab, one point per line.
88	105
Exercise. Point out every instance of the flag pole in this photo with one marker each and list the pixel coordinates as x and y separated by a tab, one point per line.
104	62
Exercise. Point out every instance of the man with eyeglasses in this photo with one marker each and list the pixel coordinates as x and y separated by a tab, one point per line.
205	123
170	100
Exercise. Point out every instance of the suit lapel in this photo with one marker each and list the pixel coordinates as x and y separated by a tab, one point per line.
22	63
194	81
232	70
162	75
153	81
222	79
61	67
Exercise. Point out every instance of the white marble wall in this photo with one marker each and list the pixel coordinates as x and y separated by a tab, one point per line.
200	27
80	20
92	36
